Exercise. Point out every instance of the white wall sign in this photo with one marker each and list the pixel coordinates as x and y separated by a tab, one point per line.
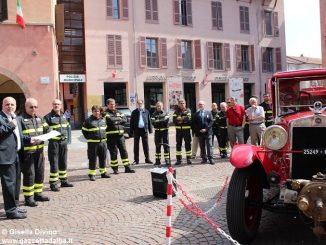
44	80
72	78
236	89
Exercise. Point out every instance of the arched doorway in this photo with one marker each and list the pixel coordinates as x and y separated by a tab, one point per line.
12	85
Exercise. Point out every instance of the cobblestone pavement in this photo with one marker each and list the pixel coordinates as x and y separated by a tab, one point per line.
123	210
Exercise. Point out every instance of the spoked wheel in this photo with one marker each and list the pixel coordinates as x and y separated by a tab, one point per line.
244	204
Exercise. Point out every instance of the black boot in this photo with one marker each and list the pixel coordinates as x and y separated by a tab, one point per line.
41	198
54	187
105	176
115	170
129	170
66	183
189	160
91	177
178	162
157	162
30	202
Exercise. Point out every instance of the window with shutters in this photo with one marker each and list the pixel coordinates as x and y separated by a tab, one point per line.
268	59
217	54
114	51
244	19
186	53
245	57
182	12
152	52
117	9
270	22
217	21
151	11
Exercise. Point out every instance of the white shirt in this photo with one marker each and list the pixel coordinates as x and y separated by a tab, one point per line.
16	131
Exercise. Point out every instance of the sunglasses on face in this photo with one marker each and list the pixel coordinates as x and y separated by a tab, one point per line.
33	107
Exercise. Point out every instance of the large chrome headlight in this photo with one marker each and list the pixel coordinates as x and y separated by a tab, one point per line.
275	137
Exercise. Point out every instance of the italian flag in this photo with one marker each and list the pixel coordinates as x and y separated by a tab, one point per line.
19	15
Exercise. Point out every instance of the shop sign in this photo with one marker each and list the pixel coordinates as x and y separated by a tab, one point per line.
156	78
72	78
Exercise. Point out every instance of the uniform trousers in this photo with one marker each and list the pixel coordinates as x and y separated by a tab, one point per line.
159	138
183	134
94	150
57	153
33	172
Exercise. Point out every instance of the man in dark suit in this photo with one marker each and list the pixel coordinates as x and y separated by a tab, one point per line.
202	126
10	144
140	126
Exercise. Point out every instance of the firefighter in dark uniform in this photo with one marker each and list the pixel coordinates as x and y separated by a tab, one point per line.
267	105
57	149
215	125
160	121
182	122
222	130
94	131
115	138
33	165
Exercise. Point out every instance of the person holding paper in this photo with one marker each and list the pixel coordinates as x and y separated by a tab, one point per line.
9	146
58	146
33	166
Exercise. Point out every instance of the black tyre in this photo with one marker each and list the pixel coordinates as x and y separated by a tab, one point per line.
244	204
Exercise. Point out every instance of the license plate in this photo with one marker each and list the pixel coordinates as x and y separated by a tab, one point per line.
314	152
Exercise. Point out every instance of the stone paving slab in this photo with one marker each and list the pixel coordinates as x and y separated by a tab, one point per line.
123	210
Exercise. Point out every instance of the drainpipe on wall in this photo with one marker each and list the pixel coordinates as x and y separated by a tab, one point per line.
134	53
259	38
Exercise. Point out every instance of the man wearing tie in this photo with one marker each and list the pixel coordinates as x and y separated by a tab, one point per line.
10	144
140	126
202	126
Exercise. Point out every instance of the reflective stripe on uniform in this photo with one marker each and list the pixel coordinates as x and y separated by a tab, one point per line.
59	126
54	177
102	170
115	132
28	190
114	163
94	141
91	172
34	147
125	161
188	153
62	174
93	129
32	130
161	129
182	127
38	188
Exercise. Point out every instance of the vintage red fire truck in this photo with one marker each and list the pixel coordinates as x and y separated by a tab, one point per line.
287	171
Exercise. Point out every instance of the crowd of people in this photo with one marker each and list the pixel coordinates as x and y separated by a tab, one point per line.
22	151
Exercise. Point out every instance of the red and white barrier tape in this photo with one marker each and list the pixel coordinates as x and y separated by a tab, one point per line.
195	209
168	229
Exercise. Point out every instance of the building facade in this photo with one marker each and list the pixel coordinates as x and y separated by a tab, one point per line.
28	56
302	63
156	50
160	50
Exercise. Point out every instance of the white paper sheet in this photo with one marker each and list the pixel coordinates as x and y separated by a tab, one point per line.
47	136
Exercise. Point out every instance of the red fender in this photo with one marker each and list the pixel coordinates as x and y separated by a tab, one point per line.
243	155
